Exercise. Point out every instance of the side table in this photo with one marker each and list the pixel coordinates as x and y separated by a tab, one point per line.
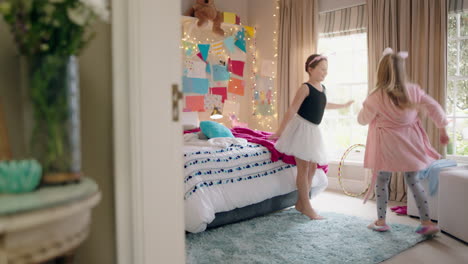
46	224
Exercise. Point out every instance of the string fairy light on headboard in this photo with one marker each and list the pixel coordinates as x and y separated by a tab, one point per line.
268	121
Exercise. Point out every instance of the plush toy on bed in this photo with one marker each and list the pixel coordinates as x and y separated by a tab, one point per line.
235	122
205	10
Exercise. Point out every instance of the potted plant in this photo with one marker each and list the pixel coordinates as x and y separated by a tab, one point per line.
49	35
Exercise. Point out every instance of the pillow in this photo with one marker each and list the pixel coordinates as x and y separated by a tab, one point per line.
189	120
213	129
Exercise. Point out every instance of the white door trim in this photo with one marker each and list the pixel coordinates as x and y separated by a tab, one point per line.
143	33
122	138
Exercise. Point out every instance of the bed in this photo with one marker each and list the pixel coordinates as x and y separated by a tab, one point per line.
232	179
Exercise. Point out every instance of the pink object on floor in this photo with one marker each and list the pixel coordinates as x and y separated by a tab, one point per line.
402	210
427	230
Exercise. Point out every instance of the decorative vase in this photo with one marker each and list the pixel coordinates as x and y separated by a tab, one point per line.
19	176
53	89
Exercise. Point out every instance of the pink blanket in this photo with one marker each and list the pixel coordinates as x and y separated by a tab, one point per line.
261	137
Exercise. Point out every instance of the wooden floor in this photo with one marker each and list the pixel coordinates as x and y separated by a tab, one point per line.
442	249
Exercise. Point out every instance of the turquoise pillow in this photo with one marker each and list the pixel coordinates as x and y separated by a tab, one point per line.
213	129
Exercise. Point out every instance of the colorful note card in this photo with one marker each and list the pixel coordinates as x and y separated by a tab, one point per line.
229	17
195	69
195	103
229	43
236	67
236	86
213	100
222	91
195	85
220	73
250	31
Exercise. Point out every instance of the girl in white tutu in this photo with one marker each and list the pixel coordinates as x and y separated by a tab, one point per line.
299	133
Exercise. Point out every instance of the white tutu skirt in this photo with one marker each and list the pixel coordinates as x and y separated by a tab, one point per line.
302	139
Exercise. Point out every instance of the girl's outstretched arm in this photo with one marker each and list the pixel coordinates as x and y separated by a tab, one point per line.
301	94
338	106
436	113
433	109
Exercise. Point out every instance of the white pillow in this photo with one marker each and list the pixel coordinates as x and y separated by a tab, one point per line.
189	120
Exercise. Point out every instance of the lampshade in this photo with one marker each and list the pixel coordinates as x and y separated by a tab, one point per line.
216	114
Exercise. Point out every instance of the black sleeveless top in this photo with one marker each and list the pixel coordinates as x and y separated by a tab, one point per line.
313	106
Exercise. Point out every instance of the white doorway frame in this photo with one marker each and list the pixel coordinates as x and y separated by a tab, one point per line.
148	189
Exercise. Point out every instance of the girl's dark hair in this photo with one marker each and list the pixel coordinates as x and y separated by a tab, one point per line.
315	63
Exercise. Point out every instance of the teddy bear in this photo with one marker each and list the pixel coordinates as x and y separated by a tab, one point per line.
205	10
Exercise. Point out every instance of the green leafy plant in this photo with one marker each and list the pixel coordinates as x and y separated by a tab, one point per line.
58	27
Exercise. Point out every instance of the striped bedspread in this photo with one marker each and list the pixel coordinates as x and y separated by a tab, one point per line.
221	177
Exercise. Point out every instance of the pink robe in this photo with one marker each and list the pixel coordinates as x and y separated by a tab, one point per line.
396	140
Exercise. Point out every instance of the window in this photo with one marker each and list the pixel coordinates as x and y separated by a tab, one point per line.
346	80
457	85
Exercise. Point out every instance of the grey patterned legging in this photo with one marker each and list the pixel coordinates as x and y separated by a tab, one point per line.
381	191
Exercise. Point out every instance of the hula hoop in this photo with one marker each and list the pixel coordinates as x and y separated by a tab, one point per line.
345	154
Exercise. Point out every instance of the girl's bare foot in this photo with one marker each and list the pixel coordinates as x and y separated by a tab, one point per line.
308	211
379	226
380	222
427	223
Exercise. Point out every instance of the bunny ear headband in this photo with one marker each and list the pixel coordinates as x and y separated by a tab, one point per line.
402	54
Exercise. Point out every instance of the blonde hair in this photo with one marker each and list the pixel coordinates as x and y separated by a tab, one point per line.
391	80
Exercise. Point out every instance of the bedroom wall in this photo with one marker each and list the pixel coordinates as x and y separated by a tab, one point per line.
96	114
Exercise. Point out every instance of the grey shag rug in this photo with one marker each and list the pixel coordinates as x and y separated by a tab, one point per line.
289	237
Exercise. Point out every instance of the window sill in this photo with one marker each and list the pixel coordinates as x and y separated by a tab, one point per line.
347	162
461	160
